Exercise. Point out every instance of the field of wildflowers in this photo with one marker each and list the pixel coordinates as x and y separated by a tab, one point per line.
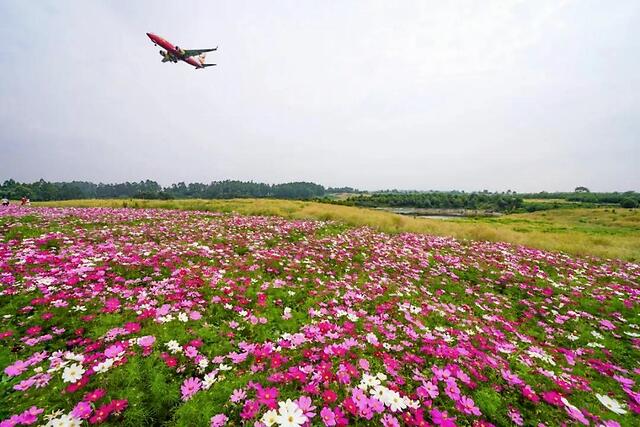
162	317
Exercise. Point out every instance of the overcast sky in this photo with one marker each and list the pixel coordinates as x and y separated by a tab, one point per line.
471	95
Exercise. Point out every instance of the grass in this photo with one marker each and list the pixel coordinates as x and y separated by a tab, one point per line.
602	232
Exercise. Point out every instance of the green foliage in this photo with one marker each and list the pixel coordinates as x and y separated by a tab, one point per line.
146	190
440	200
629	203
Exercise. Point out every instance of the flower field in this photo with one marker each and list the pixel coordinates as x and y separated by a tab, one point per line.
166	317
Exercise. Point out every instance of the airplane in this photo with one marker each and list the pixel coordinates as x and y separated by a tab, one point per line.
174	54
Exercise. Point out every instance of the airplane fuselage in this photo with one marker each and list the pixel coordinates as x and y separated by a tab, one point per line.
174	53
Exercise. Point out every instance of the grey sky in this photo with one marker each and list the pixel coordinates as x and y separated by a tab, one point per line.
523	95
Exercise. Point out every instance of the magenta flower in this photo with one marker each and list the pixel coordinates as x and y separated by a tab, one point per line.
441	418
267	396
189	387
250	409
82	410
30	416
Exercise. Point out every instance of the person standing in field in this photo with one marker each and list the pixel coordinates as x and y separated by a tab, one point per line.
5	201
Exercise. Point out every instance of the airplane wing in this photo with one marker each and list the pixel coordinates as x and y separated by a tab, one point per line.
195	52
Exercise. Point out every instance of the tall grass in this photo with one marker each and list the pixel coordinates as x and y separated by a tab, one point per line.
607	233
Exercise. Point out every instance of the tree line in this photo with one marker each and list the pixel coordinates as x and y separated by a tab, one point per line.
627	199
441	200
45	191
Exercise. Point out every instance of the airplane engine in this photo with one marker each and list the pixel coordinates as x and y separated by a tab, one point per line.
163	53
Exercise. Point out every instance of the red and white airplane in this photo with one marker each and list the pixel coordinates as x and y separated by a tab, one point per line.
173	53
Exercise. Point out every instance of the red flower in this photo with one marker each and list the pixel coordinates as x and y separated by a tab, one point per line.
329	396
101	414
95	395
119	405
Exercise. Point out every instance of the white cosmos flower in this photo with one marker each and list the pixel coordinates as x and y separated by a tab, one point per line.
290	415
379	393
72	356
270	418
103	367
224	367
209	379
64	421
203	363
396	402
369	381
72	373
183	317
611	404
173	346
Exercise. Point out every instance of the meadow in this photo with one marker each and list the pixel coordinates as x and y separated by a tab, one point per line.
193	318
601	232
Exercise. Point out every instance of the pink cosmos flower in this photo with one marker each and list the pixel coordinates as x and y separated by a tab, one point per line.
577	415
306	405
24	385
328	417
451	389
82	410
189	387
219	420
607	325
14	420
113	350
16	369
146	341
30	416
389	420
515	416
441	374
238	395
468	406
190	352
428	390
